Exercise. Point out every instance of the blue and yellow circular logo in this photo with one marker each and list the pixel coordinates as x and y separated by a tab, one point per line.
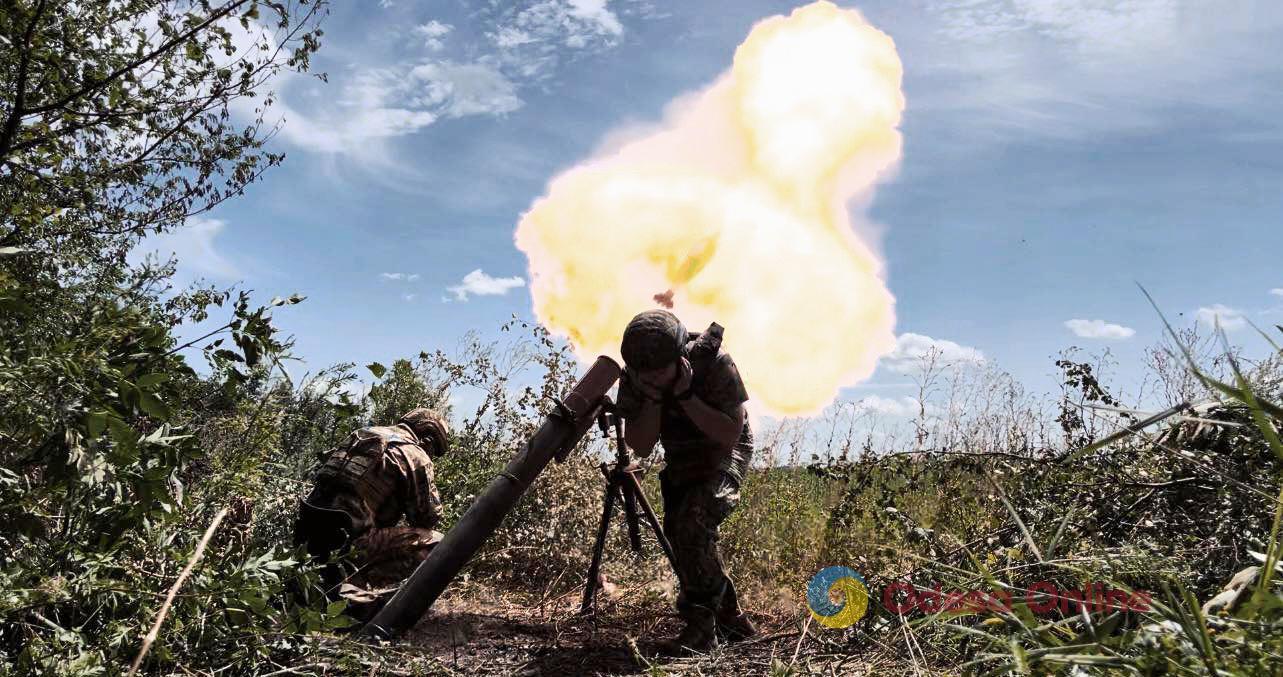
849	586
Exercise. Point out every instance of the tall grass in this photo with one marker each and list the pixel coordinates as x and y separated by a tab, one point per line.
1238	465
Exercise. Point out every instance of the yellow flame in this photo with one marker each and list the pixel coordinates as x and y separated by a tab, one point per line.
738	204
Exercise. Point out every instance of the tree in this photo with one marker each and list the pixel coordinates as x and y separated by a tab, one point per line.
118	119
124	117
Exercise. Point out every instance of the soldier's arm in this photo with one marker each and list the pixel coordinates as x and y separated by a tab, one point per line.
718	411
641	432
719	426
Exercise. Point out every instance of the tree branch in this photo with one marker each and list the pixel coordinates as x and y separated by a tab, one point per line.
173	591
94	85
20	95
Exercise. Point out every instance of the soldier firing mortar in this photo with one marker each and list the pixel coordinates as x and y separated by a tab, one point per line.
685	392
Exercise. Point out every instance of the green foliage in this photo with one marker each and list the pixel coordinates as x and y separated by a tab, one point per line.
117	123
543	538
120	440
117	116
773	533
1175	515
99	497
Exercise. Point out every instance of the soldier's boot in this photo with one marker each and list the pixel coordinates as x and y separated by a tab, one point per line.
699	635
732	623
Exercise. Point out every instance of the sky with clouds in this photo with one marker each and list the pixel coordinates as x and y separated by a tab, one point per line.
1056	153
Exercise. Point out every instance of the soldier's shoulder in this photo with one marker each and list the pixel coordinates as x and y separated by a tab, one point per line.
404	433
408	442
724	364
387	435
724	382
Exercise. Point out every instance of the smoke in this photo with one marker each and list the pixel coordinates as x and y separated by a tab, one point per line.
735	209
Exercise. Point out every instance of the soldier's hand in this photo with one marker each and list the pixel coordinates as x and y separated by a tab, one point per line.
641	387
685	373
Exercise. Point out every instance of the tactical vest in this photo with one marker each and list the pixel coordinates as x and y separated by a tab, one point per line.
361	466
687	449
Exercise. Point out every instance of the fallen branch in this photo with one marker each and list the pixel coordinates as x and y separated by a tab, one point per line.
173	591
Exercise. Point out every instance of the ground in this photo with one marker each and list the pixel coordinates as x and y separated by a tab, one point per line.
472	631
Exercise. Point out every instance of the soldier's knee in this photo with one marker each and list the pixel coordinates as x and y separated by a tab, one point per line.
678	536
703	538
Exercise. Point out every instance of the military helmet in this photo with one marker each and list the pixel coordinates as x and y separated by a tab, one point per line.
653	339
429	425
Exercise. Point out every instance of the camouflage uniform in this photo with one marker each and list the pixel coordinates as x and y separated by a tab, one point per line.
700	484
362	490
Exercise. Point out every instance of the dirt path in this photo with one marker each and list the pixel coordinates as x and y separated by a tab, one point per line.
464	635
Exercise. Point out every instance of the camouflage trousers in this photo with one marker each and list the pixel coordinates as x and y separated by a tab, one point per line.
380	556
692	514
382	559
389	555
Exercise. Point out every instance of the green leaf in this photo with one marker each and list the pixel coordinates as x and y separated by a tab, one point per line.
377	369
95	423
127	393
154	407
225	354
149	380
121	433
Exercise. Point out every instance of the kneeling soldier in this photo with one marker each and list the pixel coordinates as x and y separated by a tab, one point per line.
364	488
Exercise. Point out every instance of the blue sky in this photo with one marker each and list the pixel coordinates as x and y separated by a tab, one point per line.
1055	154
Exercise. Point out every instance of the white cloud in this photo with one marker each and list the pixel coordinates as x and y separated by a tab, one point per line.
572	23
408	297
596	14
1231	319
193	245
432	33
1278	291
370	106
383	103
400	277
912	351
456	90
1104	25
507	37
375	102
477	283
1071	67
532	39
1099	329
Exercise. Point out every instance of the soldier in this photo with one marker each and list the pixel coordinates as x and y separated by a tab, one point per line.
363	488
688	394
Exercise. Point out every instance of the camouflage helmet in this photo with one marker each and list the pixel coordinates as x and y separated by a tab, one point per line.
429	425
653	339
